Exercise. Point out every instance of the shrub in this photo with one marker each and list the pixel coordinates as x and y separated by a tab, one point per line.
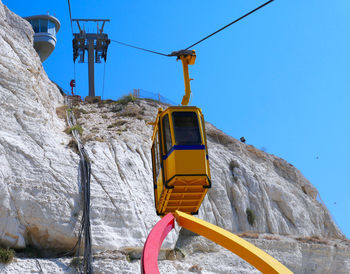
77	112
129	114
250	216
78	128
313	239
233	164
116	108
61	112
73	145
95	129
82	110
108	101
6	255
271	237
251	235
117	124
126	99
195	268
256	152
179	252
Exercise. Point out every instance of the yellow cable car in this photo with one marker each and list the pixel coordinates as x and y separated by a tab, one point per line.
180	160
181	173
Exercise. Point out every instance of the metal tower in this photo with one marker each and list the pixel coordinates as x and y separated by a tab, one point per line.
96	44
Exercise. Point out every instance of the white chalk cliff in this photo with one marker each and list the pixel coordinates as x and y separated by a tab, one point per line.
40	198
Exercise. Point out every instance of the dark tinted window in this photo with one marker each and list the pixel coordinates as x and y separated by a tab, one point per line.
43	25
186	128
166	134
35	25
156	157
51	28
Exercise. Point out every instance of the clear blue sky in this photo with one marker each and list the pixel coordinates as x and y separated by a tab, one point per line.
280	77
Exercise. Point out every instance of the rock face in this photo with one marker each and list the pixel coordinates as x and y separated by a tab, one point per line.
282	200
38	188
40	198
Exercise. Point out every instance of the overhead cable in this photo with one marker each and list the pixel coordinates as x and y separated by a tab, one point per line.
104	76
70	16
135	47
172	54
235	21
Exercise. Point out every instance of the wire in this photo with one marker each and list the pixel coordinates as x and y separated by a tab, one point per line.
235	21
103	82
85	175
70	16
75	80
139	48
205	38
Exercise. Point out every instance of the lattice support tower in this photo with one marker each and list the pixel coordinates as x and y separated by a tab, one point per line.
95	44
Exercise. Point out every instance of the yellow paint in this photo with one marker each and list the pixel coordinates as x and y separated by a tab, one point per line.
247	251
183	162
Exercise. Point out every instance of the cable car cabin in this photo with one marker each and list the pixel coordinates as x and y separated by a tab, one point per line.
181	172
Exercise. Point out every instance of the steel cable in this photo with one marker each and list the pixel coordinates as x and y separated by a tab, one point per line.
139	48
85	175
104	76
200	41
224	27
70	16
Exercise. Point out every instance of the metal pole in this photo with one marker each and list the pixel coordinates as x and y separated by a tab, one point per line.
91	67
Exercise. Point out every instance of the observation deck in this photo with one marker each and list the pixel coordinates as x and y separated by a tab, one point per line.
45	29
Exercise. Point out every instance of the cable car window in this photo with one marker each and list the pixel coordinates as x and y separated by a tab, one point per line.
186	128
204	133
156	156
166	134
154	163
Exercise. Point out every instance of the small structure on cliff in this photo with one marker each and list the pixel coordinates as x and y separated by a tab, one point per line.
45	29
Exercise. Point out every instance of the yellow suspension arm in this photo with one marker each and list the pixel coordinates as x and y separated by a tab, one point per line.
187	57
187	60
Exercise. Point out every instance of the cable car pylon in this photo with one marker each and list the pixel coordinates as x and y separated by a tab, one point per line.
96	44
